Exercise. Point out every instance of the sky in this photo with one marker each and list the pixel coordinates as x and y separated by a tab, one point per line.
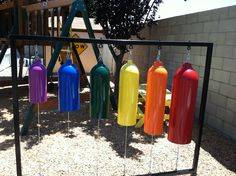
170	8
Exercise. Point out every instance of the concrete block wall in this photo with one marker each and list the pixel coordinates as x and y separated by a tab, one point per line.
217	26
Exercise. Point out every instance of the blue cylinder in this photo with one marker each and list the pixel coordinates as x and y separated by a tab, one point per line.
68	91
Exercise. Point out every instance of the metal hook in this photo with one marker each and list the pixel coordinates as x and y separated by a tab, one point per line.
131	47
45	3
189	46
100	45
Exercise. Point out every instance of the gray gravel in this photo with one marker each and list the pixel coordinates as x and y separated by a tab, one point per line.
83	153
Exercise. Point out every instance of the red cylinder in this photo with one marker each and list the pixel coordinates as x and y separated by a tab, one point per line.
183	101
155	99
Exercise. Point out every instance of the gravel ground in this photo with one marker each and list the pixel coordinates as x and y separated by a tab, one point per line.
83	152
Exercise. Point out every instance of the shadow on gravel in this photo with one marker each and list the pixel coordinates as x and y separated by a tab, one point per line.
53	122
222	148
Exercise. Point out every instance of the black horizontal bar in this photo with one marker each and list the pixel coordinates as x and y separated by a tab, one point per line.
107	41
171	173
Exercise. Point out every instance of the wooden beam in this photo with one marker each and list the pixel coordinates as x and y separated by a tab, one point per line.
50	5
43	43
20	17
6	5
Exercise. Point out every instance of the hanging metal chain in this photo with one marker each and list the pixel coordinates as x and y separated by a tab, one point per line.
177	158
68	135
150	162
97	144
126	131
39	138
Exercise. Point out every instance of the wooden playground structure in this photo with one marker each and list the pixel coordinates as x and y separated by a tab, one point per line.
45	18
33	19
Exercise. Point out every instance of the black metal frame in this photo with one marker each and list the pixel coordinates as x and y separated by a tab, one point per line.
209	46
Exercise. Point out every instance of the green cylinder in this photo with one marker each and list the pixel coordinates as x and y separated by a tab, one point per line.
99	91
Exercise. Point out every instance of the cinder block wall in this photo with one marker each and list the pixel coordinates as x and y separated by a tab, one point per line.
217	26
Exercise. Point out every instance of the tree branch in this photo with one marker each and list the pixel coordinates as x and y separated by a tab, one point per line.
150	9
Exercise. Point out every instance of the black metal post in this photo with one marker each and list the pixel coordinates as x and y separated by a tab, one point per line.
67	40
15	106
203	105
171	173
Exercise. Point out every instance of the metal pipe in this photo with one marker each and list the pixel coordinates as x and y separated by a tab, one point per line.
203	105
171	173
67	40
15	106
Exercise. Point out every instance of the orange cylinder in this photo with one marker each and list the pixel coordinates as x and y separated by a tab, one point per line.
155	99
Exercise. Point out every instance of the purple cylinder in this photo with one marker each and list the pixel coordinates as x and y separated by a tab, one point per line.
37	82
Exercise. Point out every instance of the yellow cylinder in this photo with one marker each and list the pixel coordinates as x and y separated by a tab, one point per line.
128	94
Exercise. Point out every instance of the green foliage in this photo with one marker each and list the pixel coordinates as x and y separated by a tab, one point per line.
90	7
122	18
